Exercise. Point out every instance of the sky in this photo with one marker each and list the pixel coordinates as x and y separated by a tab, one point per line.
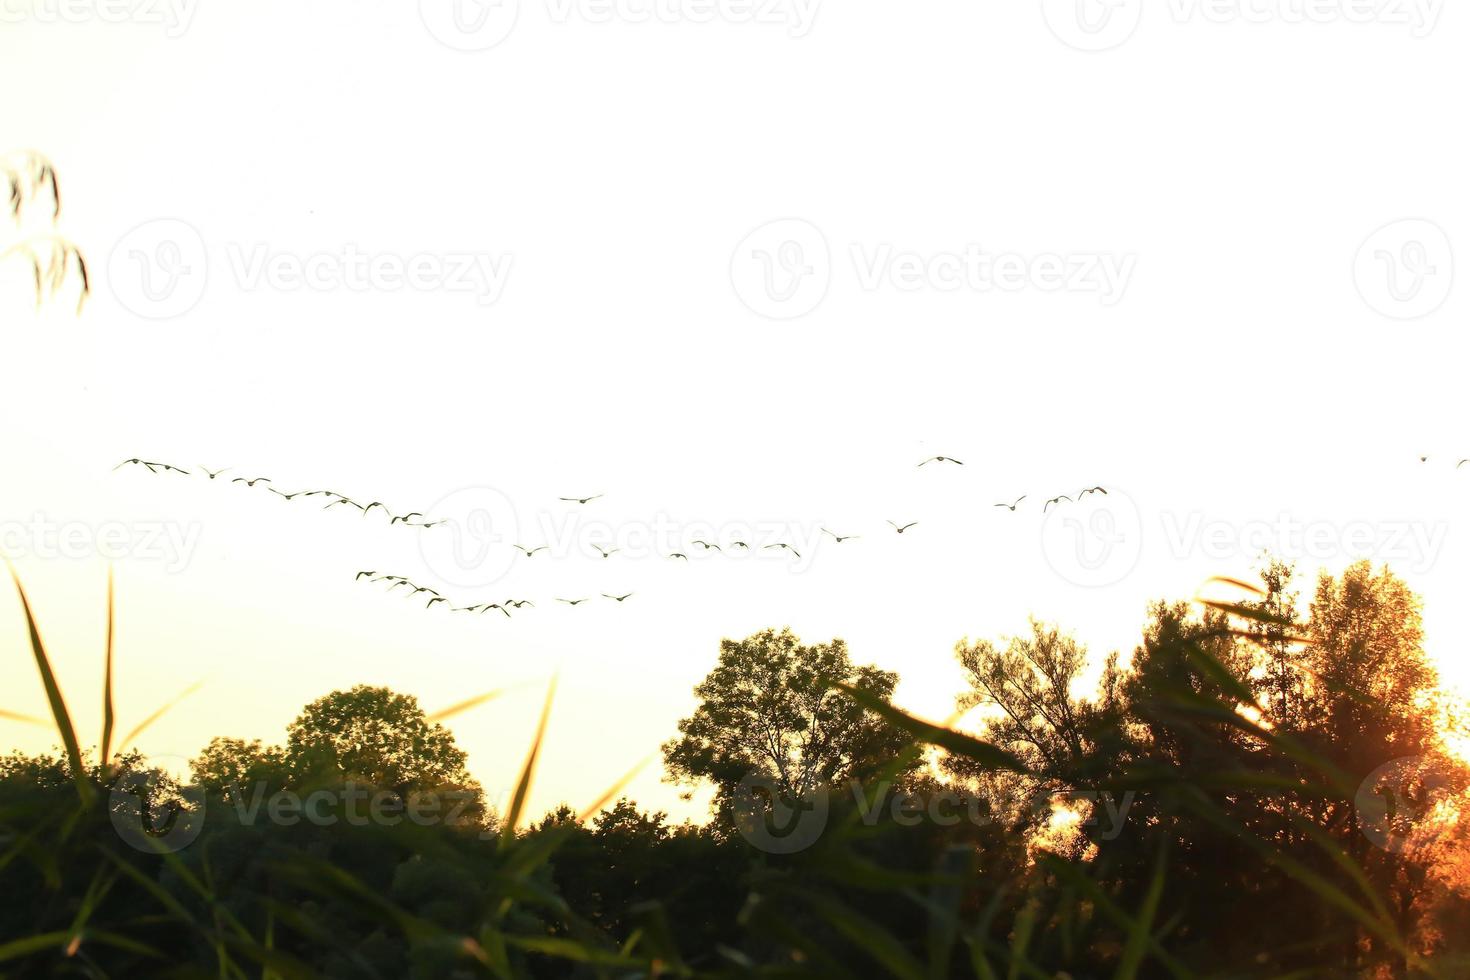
738	268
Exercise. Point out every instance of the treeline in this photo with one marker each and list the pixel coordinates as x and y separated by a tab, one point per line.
1261	789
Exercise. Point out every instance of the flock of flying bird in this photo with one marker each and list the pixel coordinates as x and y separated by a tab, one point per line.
336	499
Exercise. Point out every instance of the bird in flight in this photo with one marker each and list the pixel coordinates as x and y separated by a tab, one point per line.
250	483
421	588
786	546
376	503
211	473
581	500
437	598
363	575
839	538
152	467
707	546
344	500
617	598
606	554
678	554
900	530
739	544
288	496
572	602
1055	500
1092	490
431	524
405	518
531	551
518	603
1012	507
495	605
941	459
402	581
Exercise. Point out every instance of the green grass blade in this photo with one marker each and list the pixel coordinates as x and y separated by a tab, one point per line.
108	717
528	771
53	695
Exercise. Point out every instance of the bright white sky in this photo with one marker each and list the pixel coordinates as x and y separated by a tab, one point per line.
1241	377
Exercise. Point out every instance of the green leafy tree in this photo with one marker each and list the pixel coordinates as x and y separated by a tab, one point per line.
769	709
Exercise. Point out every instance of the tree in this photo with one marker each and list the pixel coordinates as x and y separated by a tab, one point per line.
375	736
1029	684
227	763
768	709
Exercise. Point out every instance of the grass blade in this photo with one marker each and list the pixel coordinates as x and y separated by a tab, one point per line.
108	718
53	695
523	785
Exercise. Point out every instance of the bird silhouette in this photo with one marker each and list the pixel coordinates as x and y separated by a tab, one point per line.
739	544
406	518
251	483
344	500
211	473
288	496
1055	500
707	546
376	503
572	602
362	575
421	588
617	598
941	459
582	500
606	554
839	538
518	603
151	467
495	605
679	554
1012	507
786	546
1092	490
430	524
532	551
402	581
437	598
900	530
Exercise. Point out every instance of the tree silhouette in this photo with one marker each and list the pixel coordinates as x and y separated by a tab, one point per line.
768	709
